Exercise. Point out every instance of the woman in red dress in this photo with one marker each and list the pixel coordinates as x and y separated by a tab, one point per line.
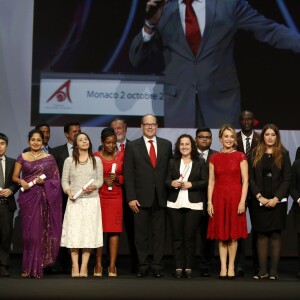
227	191
110	198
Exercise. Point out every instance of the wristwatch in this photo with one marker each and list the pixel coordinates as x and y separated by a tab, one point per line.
150	26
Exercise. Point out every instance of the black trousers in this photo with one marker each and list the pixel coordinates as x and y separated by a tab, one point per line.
128	217
207	246
6	228
149	226
184	225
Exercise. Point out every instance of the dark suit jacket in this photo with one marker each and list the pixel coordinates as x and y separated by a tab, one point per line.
50	150
9	184
295	193
210	153
240	145
142	181
198	177
212	73
297	153
60	153
281	178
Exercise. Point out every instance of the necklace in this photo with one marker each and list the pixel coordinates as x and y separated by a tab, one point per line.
36	156
83	162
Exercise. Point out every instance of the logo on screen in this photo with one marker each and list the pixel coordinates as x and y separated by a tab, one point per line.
62	93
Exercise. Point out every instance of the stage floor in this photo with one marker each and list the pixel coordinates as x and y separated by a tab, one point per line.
127	286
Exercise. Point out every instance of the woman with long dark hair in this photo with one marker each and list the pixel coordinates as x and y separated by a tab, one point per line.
82	226
270	176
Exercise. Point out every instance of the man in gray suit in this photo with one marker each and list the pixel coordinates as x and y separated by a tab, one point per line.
145	168
201	86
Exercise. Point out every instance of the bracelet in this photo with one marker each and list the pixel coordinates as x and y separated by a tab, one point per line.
150	26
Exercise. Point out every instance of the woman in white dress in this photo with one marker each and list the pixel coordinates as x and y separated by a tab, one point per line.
82	225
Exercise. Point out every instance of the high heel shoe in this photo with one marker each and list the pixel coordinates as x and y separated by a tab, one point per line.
112	274
98	274
73	274
222	277
261	276
83	274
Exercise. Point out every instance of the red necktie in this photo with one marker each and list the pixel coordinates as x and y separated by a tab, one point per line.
122	147
152	153
192	30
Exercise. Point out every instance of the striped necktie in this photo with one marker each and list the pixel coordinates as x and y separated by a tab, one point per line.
248	147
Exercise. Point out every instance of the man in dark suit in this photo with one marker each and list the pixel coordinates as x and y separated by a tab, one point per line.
145	167
45	129
60	153
63	151
7	204
207	247
120	128
247	140
197	42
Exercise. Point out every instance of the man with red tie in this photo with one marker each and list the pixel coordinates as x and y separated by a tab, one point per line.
145	167
196	38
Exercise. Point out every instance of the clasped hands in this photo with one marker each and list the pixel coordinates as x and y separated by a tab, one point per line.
268	202
177	184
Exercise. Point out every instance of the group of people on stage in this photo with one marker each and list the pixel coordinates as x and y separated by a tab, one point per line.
69	196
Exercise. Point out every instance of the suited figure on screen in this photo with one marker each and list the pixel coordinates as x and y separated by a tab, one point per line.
197	41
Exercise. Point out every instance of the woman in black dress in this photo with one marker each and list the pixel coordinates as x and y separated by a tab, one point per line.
270	176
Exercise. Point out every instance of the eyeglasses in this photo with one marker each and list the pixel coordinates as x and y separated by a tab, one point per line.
203	137
149	125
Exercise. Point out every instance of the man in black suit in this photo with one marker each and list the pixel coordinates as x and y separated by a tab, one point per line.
60	153
207	247
145	167
45	129
247	140
120	128
7	204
